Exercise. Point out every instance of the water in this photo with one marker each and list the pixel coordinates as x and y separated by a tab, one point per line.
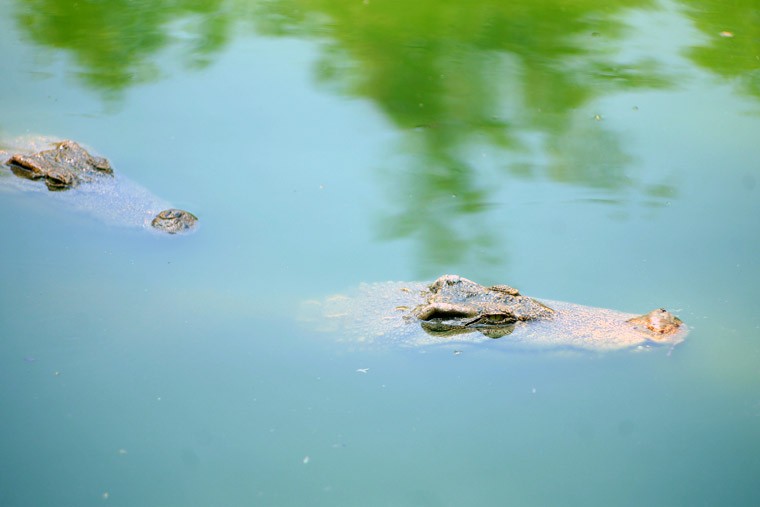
601	155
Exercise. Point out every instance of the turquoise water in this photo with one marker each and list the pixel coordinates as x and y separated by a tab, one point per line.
601	155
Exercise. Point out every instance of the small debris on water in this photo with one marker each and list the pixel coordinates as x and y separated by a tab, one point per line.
598	117
457	352
362	370
726	34
306	460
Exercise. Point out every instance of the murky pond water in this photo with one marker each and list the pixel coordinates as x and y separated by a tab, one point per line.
603	154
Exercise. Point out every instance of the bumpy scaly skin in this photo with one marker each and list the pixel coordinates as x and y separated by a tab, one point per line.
456	304
64	166
67	165
415	314
174	221
660	323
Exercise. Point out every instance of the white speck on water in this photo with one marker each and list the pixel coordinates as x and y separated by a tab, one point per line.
362	370
306	460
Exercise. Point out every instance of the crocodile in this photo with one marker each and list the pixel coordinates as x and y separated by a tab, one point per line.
453	309
89	182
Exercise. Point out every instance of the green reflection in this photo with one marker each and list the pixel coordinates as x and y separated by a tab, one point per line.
112	42
485	93
732	40
483	90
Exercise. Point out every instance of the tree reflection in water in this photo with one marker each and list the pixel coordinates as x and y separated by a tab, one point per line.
460	80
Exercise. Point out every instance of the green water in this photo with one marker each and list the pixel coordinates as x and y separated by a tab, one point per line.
604	153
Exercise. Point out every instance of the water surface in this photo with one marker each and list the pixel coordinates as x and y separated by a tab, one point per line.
603	154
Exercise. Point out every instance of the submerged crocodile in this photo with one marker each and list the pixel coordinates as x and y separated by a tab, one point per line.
455	309
91	184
